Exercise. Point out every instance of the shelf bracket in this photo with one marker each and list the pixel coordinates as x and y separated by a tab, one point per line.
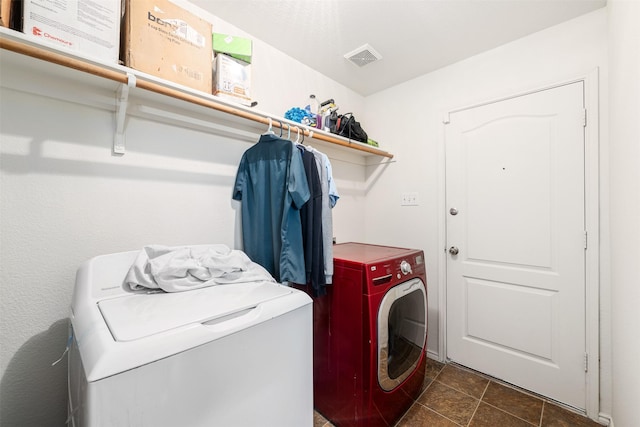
122	102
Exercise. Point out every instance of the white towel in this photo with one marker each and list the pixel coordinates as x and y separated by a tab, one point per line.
176	269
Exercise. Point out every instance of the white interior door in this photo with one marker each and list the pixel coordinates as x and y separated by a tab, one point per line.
516	287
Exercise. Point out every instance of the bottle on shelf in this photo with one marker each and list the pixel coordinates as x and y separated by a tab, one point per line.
314	109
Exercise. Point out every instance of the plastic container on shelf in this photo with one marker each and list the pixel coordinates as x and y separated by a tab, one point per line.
313	104
314	109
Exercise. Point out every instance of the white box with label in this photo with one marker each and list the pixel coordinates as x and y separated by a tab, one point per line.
232	79
88	28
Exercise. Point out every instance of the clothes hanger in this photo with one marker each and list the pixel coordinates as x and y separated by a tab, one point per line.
270	129
297	137
310	137
281	127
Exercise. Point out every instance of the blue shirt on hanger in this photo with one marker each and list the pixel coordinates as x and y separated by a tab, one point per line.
272	185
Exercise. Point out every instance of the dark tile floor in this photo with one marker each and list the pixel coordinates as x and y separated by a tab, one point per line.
453	396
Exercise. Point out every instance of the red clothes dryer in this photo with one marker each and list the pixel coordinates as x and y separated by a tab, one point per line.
370	334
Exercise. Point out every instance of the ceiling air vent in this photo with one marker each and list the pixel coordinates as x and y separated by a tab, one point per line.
363	55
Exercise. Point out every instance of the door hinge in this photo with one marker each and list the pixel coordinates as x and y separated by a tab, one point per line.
586	362
584	117
585	239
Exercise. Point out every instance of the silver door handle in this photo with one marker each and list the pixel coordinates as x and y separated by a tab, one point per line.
453	250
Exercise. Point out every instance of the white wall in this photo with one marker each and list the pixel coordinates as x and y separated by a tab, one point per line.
624	137
64	198
416	108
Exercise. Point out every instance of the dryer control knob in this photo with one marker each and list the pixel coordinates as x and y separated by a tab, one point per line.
405	267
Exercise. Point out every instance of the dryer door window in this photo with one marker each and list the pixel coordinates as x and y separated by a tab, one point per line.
402	332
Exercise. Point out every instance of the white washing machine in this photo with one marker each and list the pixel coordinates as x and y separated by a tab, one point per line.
230	355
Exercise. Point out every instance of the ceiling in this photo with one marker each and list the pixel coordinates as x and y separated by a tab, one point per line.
414	37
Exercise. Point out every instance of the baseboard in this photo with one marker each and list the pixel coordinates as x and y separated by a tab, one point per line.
605	419
433	355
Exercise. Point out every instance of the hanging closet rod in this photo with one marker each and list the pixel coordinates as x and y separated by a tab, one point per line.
121	77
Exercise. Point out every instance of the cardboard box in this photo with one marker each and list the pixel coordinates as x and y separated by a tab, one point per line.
90	29
162	39
232	79
5	10
236	47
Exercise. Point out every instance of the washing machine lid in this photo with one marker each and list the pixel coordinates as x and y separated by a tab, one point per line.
134	316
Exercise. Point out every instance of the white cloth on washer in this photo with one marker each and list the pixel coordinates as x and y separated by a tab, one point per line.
176	269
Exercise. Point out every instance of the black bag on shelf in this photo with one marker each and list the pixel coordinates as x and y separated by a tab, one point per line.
348	127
